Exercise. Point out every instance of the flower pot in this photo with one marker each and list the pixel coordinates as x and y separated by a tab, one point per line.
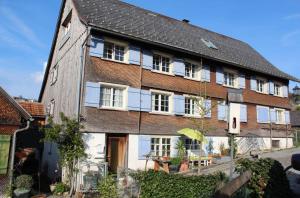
21	193
52	187
184	166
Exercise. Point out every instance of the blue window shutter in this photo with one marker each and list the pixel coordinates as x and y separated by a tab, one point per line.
147	59
219	75
222	112
178	104
272	115
134	103
92	94
262	114
174	141
253	83
271	87
97	46
285	91
207	105
145	100
144	146
287	117
205	73
242	81
178	67
134	55
243	113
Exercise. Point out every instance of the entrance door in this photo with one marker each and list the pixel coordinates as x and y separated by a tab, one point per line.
116	151
4	153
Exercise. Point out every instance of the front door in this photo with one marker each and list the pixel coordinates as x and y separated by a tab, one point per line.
4	153
116	151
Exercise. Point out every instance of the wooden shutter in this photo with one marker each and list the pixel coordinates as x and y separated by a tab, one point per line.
262	114
174	141
178	104
144	146
272	115
178	67
271	87
243	113
145	100
92	94
97	46
147	59
134	102
205	73
207	105
219	76
222	112
4	153
134	55
242	81
285	91
287	117
253	83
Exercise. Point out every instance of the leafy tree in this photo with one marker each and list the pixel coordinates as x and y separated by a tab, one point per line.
70	144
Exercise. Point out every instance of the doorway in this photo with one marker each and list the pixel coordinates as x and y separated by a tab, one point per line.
116	151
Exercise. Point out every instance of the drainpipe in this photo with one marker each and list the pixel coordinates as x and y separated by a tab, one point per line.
13	150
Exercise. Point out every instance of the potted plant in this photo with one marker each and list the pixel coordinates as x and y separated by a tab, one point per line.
175	164
23	185
60	188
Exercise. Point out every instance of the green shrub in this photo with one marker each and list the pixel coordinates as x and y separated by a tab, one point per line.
268	178
176	161
163	185
60	188
24	182
108	188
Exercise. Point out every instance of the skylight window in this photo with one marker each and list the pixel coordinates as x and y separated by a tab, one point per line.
209	44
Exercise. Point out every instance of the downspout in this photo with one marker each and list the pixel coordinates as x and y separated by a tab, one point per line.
13	150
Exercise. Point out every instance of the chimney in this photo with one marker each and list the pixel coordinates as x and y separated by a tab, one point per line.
185	20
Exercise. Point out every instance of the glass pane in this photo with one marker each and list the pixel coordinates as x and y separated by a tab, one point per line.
117	97
156	60
108	50
105	96
165	64
119	53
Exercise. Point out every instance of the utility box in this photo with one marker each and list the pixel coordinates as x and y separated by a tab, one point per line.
234	118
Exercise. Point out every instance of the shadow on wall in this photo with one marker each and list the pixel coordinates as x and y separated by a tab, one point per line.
250	142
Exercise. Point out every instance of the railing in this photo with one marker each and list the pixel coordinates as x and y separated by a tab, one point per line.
236	186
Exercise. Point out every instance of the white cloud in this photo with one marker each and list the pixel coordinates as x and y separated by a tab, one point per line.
39	75
20	27
291	38
292	16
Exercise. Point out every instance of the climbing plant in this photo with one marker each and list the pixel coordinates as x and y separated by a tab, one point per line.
68	138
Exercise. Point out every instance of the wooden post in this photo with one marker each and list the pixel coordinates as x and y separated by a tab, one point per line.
271	136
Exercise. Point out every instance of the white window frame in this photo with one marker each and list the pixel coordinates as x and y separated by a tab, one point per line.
282	114
161	54
117	43
280	89
54	75
197	110
170	94
117	86
235	78
264	86
198	70
160	144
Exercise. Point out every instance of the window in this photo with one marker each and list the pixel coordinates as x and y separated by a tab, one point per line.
190	106
191	144
229	79
190	70
67	28
53	75
209	44
160	102
67	23
161	146
111	97
279	113
113	51
161	63
260	85
277	90
50	108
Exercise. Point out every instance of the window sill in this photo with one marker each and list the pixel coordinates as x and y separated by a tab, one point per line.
263	122
117	61
280	123
194	79
161	113
261	92
113	108
232	87
191	116
161	72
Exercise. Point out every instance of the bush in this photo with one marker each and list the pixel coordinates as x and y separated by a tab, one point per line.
163	185
268	178
176	161
108	188
60	188
24	182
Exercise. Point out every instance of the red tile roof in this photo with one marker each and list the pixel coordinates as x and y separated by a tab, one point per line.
35	109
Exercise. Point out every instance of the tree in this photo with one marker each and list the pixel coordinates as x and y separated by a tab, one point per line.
69	142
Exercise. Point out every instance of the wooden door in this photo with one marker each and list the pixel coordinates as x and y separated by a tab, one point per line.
116	152
4	153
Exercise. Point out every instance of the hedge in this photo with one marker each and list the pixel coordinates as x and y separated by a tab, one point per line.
163	185
268	178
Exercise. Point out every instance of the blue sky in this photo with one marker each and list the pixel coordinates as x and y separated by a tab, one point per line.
272	27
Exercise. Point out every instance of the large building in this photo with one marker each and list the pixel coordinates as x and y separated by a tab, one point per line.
132	77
